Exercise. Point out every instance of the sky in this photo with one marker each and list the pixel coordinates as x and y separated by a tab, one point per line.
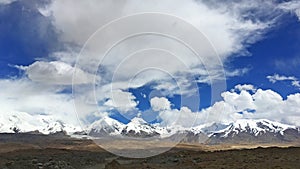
170	62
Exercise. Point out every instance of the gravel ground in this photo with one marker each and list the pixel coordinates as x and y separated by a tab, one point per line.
69	153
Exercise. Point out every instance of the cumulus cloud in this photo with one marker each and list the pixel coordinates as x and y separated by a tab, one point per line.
275	78
259	104
262	104
160	104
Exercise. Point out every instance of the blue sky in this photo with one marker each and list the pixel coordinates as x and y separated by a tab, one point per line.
37	39
280	44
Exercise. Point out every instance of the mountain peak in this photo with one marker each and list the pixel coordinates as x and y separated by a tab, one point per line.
138	120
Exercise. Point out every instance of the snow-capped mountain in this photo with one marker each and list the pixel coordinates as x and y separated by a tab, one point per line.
243	130
255	127
22	122
105	126
138	127
261	130
240	131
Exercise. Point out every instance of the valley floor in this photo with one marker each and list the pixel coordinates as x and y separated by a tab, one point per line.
30	152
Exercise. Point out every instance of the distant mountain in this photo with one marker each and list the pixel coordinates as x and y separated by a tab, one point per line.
240	132
22	122
137	127
255	131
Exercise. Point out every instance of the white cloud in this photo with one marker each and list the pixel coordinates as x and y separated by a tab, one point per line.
122	101
56	73
247	87
224	24
6	1
266	104
237	72
275	78
296	83
160	104
240	101
34	98
183	117
220	112
292	6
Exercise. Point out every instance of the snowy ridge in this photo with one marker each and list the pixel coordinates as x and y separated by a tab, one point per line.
22	122
138	127
256	127
261	129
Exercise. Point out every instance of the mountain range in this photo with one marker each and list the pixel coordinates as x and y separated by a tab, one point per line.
240	131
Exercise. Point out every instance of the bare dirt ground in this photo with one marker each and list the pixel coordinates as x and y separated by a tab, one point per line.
30	152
